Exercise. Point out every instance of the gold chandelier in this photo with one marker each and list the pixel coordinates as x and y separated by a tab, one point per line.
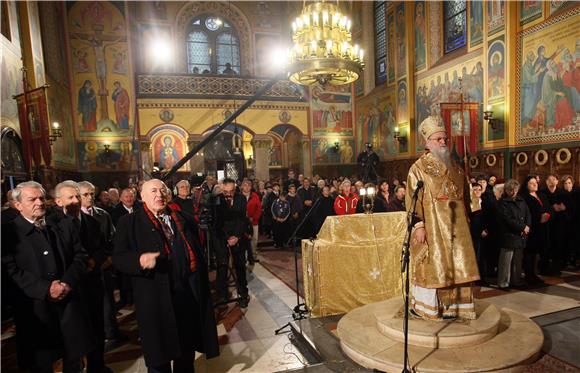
323	52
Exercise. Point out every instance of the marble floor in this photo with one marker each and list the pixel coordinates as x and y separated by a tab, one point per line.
248	342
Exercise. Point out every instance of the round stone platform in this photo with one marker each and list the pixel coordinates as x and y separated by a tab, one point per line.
442	334
514	342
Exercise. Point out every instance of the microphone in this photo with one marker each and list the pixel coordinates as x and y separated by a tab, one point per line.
419	186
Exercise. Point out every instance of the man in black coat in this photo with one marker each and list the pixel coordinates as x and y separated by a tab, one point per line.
514	222
88	207
368	161
125	206
68	199
161	253
231	227
308	194
47	264
290	181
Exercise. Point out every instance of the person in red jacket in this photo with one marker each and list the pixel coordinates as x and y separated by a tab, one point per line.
346	201
253	212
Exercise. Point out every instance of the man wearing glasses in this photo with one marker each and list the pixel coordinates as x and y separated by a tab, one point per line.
442	254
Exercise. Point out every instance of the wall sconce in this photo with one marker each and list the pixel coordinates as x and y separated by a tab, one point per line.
398	137
55	133
107	146
488	116
336	147
368	199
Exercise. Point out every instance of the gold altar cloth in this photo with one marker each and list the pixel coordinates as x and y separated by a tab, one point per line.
354	261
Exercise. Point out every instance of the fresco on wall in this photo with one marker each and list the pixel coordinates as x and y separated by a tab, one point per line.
275	152
401	47
475	23
12	14
549	97
376	123
93	156
496	69
60	111
331	108
530	10
324	151
556	5
36	42
444	86
53	35
168	146
420	36
11	77
495	16
390	45
99	52
402	101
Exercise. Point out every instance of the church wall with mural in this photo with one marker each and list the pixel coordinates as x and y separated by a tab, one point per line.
517	60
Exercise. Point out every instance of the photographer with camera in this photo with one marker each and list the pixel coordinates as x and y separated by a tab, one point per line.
368	161
231	227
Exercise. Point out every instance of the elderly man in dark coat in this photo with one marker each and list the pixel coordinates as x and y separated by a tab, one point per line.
159	250
47	264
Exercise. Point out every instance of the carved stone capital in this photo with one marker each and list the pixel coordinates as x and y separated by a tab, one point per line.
262	144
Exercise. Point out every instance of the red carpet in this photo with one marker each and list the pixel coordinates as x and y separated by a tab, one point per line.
280	262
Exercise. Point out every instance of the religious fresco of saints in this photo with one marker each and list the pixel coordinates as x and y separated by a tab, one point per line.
87	106
420	54
122	102
401	41
168	149
496	70
549	96
475	23
530	10
445	86
402	102
332	111
495	16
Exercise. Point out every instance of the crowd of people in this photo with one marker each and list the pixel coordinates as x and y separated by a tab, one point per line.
521	229
66	252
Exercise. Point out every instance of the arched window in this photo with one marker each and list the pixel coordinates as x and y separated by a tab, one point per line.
212	45
455	21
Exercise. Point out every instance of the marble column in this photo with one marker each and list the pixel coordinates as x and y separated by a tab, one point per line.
306	161
262	145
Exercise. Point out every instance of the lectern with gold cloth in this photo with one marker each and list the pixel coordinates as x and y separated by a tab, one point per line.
354	261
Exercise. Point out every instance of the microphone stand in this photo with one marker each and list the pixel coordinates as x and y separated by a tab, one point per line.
405	269
300	309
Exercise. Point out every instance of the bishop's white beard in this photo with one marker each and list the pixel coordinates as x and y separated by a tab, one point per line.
443	155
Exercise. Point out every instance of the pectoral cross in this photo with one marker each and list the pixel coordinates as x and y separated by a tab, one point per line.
375	273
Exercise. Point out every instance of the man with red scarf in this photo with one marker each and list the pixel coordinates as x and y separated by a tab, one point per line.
159	249
345	203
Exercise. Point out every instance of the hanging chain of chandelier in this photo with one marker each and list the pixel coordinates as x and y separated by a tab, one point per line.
323	52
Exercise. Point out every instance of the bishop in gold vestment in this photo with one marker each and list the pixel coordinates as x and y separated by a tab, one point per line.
443	261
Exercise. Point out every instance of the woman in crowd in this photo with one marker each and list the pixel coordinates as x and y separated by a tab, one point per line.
280	212
538	238
382	200
572	217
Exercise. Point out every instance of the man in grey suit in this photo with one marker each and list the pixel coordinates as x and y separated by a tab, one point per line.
87	191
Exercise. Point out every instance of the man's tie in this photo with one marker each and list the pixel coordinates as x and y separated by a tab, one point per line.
166	230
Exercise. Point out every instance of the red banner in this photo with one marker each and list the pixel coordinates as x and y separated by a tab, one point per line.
461	123
34	126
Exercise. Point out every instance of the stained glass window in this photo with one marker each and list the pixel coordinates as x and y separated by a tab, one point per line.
455	22
380	43
211	44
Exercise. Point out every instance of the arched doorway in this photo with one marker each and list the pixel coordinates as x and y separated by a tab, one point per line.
13	165
286	151
230	153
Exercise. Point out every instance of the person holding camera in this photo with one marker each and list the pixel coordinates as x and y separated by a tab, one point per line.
368	161
231	226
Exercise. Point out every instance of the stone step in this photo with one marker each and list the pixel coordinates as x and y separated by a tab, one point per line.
440	334
516	344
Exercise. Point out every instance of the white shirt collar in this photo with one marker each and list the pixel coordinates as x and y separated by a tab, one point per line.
130	209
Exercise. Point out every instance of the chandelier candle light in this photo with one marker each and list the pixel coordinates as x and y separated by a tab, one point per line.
323	52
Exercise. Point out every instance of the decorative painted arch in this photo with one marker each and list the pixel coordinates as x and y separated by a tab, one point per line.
229	12
282	130
168	145
231	128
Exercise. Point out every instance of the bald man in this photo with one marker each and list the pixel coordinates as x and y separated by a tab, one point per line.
158	248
